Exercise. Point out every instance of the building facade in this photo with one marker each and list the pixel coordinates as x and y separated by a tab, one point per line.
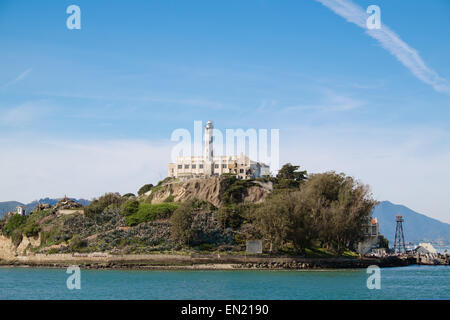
210	165
21	210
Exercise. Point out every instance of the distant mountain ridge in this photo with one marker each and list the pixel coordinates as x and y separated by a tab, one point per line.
417	227
8	206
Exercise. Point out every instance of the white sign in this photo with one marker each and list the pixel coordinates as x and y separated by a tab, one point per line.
254	246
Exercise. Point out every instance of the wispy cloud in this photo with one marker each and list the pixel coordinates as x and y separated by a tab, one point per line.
389	40
333	102
24	114
19	78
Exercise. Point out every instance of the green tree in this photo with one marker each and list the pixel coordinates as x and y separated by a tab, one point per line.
274	219
232	215
144	189
31	229
15	222
289	176
130	207
339	207
289	171
181	221
97	206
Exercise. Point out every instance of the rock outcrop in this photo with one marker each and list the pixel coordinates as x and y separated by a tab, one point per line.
210	189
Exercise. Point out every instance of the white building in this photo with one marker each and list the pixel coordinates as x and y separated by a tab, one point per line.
21	210
209	165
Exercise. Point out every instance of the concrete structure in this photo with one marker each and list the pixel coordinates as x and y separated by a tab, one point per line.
372	237
209	165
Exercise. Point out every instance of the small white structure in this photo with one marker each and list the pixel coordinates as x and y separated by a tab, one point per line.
21	210
425	248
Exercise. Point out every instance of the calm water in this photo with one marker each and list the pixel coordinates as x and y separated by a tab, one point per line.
414	282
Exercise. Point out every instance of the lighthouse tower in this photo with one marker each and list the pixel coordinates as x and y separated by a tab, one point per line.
209	155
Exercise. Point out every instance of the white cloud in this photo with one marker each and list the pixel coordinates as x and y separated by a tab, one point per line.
19	78
24	114
389	40
401	166
33	169
332	102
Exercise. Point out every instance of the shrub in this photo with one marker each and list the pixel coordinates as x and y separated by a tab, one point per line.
14	223
231	216
148	212
205	247
16	237
233	189
130	207
144	189
98	205
31	229
77	243
181	222
170	198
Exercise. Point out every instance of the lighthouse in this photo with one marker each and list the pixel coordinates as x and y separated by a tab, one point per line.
209	150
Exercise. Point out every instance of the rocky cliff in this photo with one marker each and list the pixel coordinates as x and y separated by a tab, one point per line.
8	251
211	190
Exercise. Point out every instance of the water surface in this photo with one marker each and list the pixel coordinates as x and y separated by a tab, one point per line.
413	282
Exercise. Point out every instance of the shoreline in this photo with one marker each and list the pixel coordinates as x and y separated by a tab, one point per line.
211	262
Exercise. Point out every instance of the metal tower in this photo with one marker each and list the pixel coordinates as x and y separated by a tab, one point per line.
399	242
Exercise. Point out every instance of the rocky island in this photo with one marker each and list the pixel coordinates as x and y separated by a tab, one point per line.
304	222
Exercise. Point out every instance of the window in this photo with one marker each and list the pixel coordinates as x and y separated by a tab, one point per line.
180	166
224	166
186	166
241	170
200	166
216	166
194	166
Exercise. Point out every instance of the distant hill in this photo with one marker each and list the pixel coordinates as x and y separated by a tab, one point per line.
8	206
417	227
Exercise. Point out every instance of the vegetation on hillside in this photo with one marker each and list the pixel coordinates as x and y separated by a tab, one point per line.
309	214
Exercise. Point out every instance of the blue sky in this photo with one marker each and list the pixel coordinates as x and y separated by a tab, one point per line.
107	97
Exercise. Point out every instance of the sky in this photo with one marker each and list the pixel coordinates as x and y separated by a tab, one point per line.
89	111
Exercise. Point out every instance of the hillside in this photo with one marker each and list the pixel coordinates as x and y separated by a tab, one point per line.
213	190
417	227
